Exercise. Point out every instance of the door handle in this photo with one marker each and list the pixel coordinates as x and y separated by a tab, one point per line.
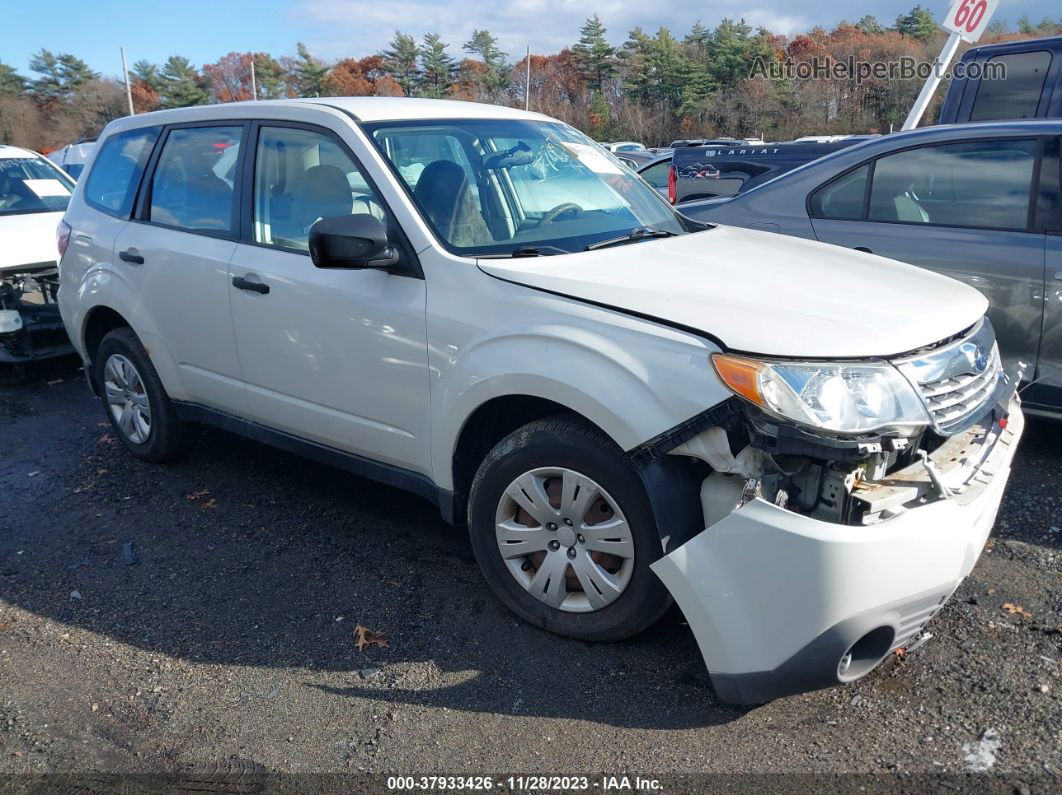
864	249
241	283
131	255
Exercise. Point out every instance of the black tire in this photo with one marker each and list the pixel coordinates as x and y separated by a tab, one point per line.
571	444
169	437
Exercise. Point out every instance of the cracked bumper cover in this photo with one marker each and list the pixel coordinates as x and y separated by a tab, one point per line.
775	599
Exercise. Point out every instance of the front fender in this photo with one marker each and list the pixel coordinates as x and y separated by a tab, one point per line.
632	378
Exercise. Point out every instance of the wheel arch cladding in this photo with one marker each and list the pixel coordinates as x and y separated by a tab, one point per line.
99	322
491	422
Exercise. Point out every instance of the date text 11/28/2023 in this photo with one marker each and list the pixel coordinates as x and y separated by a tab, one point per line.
530	783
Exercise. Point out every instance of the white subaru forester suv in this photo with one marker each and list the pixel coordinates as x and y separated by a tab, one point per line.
804	446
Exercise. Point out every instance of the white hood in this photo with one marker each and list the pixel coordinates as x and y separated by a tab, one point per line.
765	293
28	239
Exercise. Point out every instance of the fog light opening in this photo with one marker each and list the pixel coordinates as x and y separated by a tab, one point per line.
865	654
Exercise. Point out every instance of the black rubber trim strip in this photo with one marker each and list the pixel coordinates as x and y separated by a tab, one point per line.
659	445
620	310
404	479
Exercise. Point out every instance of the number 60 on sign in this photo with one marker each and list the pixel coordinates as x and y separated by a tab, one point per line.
969	18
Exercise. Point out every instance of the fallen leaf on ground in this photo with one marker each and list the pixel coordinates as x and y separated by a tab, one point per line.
196	495
211	503
901	652
1016	610
4	626
364	638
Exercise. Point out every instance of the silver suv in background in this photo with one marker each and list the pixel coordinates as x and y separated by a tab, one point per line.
978	202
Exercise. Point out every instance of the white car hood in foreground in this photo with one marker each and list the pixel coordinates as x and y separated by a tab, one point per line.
761	292
28	239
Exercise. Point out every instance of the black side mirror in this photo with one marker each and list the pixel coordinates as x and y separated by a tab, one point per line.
351	241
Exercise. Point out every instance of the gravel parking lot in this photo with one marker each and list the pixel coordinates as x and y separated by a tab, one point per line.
170	618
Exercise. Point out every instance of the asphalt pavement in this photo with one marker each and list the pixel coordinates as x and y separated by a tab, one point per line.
204	615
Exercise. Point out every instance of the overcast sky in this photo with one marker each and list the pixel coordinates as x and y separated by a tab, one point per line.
204	30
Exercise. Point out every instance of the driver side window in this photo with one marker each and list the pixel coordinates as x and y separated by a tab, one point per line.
301	177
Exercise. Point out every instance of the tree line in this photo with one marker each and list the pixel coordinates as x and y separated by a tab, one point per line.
654	87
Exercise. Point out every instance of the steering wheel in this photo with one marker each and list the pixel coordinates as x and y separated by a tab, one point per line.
558	211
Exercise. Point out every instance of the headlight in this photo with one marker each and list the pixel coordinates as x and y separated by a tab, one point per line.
834	396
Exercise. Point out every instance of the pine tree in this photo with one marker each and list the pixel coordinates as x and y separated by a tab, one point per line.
182	85
735	50
594	56
402	62
918	23
870	25
497	68
307	73
11	82
698	43
60	75
148	74
436	65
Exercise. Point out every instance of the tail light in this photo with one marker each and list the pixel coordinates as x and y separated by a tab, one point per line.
62	237
672	186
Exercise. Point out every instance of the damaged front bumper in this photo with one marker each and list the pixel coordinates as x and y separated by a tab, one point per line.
782	603
30	325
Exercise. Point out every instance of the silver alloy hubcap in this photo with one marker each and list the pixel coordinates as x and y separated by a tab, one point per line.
127	398
564	539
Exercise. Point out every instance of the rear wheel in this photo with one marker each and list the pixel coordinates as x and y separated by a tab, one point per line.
140	411
563	531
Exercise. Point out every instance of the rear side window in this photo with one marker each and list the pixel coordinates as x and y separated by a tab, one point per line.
1018	96
985	184
843	198
194	180
116	172
656	174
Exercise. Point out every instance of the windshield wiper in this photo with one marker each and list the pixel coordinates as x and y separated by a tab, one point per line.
638	233
529	251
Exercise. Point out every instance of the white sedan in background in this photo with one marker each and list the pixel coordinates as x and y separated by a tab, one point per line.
33	197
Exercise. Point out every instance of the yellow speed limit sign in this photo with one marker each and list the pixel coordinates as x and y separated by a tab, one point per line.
969	18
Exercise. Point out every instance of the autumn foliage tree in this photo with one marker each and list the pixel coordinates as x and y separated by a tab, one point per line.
649	86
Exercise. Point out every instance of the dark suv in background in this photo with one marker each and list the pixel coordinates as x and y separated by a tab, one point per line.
1032	88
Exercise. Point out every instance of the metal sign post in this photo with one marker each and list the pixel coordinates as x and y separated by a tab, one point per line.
966	20
128	86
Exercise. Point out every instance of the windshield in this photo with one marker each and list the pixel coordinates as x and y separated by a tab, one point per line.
32	185
504	186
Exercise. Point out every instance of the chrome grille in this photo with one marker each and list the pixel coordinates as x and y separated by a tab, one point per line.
952	399
957	381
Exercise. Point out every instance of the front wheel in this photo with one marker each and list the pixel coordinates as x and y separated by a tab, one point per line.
563	531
